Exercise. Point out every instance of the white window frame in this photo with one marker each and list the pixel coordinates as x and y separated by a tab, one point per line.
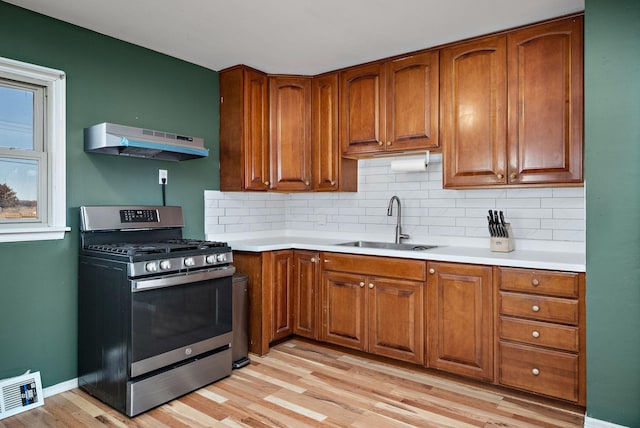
54	145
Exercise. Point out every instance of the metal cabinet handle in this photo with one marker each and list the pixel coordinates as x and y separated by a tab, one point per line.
500	176
380	143
535	371
370	285
432	271
389	143
535	308
306	183
361	284
535	282
513	176
313	260
535	334
266	183
333	183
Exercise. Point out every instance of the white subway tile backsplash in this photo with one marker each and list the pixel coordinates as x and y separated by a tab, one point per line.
569	235
427	209
538	192
562	203
574	213
505	204
568	192
563	224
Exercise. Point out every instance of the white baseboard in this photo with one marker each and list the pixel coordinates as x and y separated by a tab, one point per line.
61	387
597	423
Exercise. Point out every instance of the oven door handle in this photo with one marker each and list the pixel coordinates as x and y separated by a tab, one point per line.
181	279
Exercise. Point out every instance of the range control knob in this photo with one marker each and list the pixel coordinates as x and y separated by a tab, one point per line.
165	265
211	259
189	261
151	267
221	257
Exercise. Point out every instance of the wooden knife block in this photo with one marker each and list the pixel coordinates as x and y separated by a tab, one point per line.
503	245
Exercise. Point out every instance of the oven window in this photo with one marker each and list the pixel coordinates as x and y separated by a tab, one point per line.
164	319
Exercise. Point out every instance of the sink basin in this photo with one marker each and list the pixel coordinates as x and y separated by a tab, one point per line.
388	245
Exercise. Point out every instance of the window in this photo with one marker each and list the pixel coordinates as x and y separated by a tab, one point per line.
32	152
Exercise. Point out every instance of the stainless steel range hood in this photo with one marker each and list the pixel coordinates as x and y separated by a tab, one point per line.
111	139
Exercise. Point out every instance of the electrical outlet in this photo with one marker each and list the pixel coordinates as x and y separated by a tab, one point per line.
162	175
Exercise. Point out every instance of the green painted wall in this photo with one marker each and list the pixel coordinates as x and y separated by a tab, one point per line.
107	80
612	171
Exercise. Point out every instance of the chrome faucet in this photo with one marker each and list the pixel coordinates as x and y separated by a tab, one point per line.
399	234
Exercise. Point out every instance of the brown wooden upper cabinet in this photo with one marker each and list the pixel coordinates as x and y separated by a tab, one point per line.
244	138
331	171
290	132
512	107
390	106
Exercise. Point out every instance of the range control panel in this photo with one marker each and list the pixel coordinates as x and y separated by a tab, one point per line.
139	216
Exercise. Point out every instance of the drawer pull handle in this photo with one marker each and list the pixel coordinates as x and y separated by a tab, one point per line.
432	271
535	334
535	308
361	284
535	282
535	372
370	285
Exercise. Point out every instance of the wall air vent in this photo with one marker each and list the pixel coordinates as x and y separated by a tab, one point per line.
20	393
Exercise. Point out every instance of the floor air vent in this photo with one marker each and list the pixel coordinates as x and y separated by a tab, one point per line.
20	393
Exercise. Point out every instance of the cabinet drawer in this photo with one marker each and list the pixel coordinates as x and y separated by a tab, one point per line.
538	370
561	284
539	307
389	267
540	333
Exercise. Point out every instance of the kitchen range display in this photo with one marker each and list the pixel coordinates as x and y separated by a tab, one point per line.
154	309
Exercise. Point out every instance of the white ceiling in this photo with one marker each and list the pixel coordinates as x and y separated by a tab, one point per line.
296	36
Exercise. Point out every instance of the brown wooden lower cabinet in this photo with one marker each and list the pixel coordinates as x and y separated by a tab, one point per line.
544	371
306	277
383	315
541	328
437	314
281	293
460	319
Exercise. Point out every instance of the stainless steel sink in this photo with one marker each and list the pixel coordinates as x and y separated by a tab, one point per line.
388	245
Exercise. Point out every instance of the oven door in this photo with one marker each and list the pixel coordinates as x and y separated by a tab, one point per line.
178	317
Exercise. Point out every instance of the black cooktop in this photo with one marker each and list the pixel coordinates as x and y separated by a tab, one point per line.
174	246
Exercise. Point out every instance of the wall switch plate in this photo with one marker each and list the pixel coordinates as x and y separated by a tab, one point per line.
162	174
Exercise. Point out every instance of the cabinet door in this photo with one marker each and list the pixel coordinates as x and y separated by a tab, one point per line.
413	102
473	108
546	103
281	292
460	324
396	324
343	310
330	171
305	293
362	109
290	129
256	139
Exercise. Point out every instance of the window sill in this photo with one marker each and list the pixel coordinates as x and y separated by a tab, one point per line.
33	234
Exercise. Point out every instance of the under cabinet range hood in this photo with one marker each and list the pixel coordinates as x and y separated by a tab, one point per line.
112	139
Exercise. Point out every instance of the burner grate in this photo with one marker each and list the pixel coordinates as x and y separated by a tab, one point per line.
164	246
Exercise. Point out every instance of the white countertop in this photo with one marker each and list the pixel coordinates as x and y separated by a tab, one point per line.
526	258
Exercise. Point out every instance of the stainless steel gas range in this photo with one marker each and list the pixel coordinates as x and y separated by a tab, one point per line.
154	309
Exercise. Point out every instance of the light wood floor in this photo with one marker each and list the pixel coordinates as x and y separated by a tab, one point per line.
301	384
